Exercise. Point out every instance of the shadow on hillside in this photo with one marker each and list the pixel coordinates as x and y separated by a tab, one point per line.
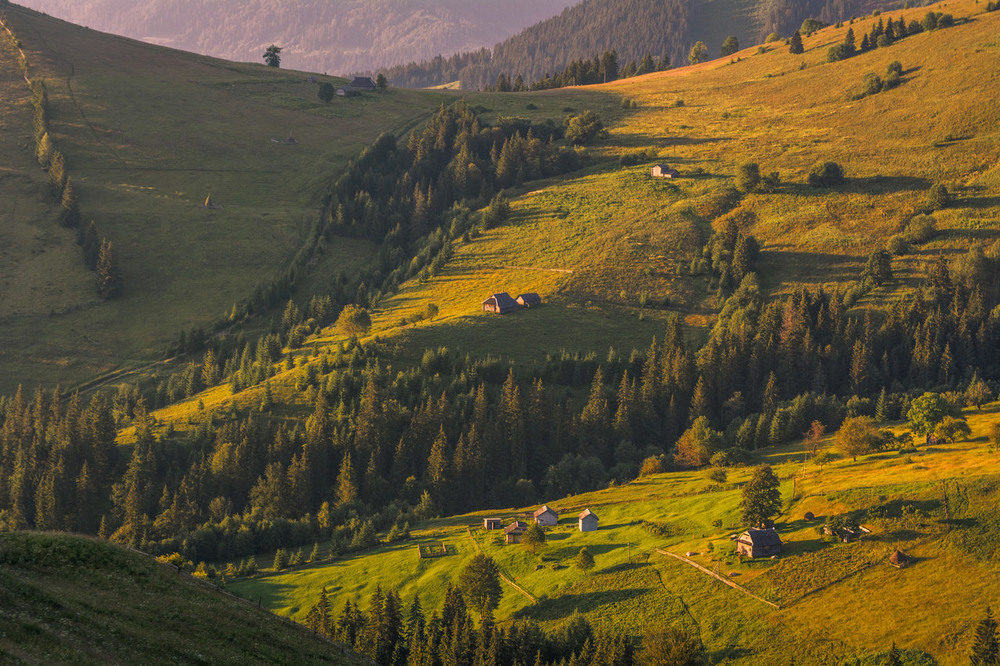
979	202
868	185
693	141
569	552
566	604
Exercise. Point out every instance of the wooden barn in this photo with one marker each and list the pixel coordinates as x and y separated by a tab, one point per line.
587	521
529	300
759	543
491	524
546	517
500	303
512	533
664	171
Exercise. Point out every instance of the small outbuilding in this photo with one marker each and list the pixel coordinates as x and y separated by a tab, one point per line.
512	533
664	171
587	521
362	83
491	524
529	300
500	303
758	543
899	559
546	517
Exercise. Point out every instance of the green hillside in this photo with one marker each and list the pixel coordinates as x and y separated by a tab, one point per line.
696	325
836	601
68	599
148	134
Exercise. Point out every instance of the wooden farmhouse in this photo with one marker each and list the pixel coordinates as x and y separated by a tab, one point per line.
587	521
500	303
664	171
512	533
491	524
759	543
546	517
529	300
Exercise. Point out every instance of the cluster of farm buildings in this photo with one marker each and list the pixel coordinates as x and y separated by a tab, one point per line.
545	517
502	303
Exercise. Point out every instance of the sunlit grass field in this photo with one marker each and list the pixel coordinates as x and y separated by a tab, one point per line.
836	600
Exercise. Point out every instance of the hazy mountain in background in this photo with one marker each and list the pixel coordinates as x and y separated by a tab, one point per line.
317	35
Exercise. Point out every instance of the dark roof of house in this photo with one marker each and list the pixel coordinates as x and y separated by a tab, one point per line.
515	526
362	82
587	512
761	537
545	509
503	300
529	299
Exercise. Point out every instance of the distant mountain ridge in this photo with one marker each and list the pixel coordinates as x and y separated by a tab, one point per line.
317	35
632	28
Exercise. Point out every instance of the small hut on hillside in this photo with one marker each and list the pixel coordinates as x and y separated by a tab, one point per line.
512	533
361	83
529	300
587	521
500	303
899	559
664	171
759	543
491	523
546	517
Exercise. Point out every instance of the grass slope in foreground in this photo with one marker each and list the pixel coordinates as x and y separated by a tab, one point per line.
837	601
69	599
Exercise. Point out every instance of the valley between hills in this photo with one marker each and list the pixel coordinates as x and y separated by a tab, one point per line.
284	383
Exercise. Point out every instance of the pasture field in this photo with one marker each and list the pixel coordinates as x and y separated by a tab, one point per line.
934	503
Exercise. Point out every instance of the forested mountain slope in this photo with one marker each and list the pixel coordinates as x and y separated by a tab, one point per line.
632	28
316	35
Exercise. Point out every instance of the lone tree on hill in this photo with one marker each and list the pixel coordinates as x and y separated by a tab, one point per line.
761	497
730	46
858	436
272	56
699	53
926	412
795	43
326	92
533	537
381	83
748	177
354	320
479	582
584	560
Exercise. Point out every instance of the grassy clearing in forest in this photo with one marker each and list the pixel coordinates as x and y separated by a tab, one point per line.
900	497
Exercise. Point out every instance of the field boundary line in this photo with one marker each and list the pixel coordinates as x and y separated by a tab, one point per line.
535	268
720	578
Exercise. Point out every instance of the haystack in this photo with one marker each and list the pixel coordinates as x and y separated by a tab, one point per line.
899	559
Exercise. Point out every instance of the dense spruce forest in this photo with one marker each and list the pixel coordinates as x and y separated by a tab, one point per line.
634	29
386	447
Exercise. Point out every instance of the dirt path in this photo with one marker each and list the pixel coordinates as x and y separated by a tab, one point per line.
720	578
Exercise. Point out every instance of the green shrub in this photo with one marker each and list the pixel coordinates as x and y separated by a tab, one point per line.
938	197
773	37
897	245
825	174
920	229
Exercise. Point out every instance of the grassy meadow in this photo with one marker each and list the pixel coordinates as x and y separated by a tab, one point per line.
934	503
148	133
